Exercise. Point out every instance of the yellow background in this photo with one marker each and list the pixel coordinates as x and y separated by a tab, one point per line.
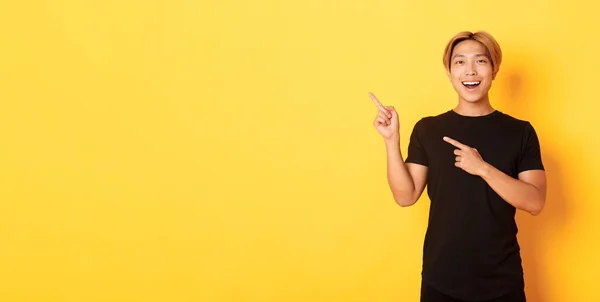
224	151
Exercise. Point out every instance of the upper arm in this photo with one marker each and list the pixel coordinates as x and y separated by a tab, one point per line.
417	160
536	178
530	157
419	176
531	167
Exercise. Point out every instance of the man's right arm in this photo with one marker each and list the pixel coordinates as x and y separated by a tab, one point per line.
406	180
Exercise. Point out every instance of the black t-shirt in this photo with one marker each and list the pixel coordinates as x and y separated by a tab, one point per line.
471	250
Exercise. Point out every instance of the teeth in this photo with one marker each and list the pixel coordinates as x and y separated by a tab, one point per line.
471	83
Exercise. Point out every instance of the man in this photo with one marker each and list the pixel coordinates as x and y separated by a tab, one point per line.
480	165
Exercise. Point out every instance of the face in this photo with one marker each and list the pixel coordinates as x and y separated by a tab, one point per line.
471	71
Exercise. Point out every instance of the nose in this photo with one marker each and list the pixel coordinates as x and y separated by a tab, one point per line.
470	70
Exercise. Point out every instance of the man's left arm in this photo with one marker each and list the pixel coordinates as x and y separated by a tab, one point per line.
527	193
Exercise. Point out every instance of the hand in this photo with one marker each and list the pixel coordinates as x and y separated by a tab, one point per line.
467	158
386	121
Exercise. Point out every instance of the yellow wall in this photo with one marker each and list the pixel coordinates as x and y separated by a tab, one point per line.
223	151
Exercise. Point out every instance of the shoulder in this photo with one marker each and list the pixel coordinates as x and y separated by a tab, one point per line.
513	121
509	118
432	120
521	127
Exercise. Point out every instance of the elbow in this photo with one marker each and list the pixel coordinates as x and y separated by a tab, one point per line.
537	209
539	202
404	198
405	202
535	212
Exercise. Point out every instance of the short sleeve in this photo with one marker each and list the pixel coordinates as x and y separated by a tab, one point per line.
416	152
531	157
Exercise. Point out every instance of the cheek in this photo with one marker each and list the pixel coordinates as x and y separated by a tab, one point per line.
488	79
486	72
454	76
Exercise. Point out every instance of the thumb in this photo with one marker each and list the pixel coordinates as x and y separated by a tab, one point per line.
391	109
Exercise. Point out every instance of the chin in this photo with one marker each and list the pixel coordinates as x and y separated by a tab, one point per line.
472	98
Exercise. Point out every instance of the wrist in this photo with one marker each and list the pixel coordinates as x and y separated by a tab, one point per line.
394	140
392	147
392	144
485	170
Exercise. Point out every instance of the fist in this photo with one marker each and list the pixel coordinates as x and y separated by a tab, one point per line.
386	122
467	158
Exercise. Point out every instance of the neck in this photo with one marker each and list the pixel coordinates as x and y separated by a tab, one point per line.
479	108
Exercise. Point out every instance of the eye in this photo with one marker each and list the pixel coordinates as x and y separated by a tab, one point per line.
482	61
458	62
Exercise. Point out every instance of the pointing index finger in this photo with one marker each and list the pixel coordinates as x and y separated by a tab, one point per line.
377	103
455	143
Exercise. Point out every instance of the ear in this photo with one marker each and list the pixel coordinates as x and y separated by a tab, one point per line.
448	73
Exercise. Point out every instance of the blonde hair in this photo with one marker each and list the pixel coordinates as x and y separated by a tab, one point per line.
492	46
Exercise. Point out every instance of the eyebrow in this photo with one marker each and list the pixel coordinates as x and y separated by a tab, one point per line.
462	55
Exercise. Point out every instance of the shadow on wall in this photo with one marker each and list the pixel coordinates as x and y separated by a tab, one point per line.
518	93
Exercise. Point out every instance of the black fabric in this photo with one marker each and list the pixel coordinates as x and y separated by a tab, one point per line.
471	250
429	294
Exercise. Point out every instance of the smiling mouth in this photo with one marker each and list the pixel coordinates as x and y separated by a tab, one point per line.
471	84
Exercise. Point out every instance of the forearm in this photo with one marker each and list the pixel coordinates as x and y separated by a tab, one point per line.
521	195
399	178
